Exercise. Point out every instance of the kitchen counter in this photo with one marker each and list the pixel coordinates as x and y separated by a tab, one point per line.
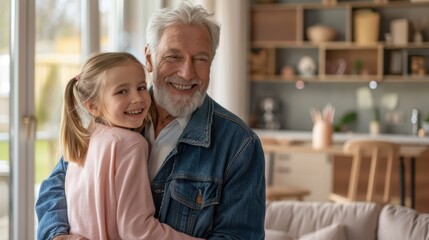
306	136
289	142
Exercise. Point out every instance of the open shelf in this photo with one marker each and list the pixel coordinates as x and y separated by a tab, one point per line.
280	29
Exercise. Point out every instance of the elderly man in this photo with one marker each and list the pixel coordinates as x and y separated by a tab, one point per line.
206	166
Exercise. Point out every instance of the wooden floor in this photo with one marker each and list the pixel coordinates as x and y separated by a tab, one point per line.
342	172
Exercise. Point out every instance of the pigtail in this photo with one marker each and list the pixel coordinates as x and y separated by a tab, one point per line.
74	137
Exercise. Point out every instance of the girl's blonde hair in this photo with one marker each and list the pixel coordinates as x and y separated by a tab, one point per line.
76	122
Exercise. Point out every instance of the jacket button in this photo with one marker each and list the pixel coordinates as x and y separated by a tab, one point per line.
199	198
159	190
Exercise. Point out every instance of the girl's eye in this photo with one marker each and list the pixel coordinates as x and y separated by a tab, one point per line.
141	88
122	92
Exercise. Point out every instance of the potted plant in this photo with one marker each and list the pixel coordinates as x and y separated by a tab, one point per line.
345	122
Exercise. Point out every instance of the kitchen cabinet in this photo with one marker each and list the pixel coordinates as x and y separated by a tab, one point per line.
328	170
308	170
279	40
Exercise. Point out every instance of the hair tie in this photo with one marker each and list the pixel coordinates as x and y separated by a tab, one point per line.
77	77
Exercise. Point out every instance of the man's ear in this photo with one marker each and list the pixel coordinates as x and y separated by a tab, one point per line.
148	56
92	108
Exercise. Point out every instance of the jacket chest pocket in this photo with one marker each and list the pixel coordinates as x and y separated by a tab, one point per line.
193	205
195	194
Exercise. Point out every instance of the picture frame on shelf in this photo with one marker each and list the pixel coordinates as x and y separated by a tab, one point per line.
417	65
418	62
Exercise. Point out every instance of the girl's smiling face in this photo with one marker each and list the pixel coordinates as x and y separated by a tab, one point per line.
125	100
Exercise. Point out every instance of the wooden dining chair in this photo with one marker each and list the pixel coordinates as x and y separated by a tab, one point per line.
381	155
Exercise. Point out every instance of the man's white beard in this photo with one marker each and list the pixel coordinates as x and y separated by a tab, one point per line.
176	105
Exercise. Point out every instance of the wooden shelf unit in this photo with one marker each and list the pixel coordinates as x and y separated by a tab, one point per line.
280	29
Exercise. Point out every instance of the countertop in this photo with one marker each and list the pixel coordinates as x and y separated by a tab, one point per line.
306	136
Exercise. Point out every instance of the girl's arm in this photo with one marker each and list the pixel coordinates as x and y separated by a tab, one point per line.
135	213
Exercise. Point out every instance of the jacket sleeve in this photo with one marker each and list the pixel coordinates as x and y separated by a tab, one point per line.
51	205
242	216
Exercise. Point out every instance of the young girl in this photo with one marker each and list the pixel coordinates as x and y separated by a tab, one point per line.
107	187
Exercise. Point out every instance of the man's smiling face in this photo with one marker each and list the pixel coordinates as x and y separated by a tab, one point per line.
182	68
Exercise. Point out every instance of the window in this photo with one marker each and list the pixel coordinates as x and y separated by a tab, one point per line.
57	60
61	42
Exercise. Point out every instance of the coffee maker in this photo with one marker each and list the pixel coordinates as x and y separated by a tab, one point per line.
270	113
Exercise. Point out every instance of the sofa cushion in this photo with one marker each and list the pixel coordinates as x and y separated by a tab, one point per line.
397	222
271	234
332	232
298	218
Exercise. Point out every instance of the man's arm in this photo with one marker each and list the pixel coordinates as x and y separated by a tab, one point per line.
241	214
51	205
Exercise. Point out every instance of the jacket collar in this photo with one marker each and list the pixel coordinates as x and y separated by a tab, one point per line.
198	130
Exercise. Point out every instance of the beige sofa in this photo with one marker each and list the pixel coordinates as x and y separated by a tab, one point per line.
293	220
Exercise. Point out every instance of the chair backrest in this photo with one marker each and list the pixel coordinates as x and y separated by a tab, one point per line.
376	150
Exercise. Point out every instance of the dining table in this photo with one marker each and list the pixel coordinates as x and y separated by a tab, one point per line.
407	151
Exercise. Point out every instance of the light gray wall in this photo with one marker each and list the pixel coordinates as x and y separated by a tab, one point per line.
295	104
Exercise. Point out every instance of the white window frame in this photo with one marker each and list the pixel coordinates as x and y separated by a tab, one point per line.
22	121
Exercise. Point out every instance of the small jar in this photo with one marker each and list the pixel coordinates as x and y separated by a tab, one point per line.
322	135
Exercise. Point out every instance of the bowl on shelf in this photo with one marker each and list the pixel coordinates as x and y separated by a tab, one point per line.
320	33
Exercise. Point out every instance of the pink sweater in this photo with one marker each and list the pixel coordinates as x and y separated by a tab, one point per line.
110	197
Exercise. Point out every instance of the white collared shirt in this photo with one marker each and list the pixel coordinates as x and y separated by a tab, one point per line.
164	143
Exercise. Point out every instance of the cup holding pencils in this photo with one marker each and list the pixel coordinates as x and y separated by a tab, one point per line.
322	127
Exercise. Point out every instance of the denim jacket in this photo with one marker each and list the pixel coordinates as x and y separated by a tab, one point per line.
212	185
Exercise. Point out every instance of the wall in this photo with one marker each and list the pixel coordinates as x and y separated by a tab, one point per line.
229	83
295	104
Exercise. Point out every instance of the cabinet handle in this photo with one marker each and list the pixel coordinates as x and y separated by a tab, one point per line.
281	156
283	169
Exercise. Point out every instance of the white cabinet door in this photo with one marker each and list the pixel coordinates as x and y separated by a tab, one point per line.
309	170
